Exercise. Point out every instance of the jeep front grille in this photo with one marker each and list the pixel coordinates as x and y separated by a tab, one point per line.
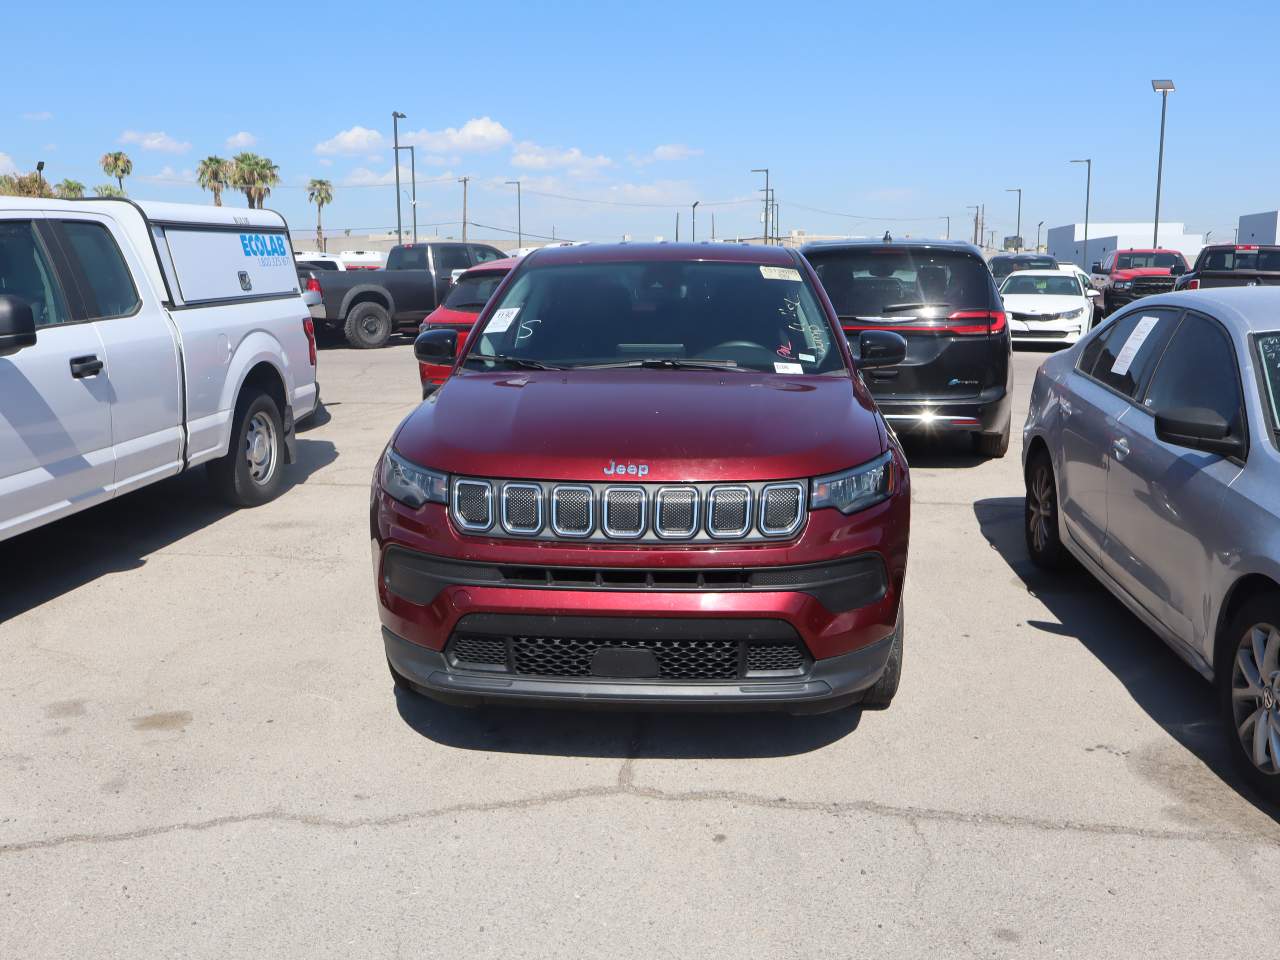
643	513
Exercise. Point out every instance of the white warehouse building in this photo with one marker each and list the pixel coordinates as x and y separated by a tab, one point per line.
1259	227
1065	243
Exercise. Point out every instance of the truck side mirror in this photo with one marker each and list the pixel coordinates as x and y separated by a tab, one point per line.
17	325
1177	270
436	346
1097	266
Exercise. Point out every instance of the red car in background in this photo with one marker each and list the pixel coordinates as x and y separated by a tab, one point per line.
1127	275
459	311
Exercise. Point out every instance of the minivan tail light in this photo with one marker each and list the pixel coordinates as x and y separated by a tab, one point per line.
309	328
962	322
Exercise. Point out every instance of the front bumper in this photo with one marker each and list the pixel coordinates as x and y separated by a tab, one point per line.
829	685
1047	331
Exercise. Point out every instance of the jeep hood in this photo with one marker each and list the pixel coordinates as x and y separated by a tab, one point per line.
686	426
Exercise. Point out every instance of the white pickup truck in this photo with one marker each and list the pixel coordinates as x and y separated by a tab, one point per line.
138	340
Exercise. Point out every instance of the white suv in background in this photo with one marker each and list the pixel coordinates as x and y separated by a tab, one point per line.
140	340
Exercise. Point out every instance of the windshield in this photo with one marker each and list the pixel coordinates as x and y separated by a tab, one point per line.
735	315
1145	261
865	282
1037	263
1063	286
472	293
1001	267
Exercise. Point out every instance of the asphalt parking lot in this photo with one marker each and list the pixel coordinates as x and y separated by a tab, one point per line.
203	756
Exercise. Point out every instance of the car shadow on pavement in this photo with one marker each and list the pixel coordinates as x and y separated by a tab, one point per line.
943	450
624	734
1172	693
119	535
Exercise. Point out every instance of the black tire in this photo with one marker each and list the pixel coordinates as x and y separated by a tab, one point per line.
1234	710
1040	514
880	695
992	445
252	472
368	326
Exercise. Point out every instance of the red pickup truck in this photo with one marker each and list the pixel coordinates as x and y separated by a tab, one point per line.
459	312
1127	275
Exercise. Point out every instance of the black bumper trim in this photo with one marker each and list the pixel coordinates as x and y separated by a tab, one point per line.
831	684
840	585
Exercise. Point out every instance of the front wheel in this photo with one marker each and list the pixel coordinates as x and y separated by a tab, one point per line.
252	471
1248	681
881	694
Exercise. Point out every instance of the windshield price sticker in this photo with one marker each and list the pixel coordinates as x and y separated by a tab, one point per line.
780	273
787	368
808	358
501	320
1124	359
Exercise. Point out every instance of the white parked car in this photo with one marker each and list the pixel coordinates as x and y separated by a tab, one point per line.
362	259
1079	273
141	340
316	260
1047	306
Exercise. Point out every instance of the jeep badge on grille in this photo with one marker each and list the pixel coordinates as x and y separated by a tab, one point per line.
615	469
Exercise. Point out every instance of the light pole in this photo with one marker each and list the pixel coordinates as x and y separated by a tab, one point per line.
1088	186
1162	87
693	222
464	181
413	184
765	220
974	208
1038	226
396	117
519	215
948	219
1017	233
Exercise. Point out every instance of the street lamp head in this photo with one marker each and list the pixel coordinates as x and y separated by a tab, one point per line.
397	115
1088	160
1162	86
512	182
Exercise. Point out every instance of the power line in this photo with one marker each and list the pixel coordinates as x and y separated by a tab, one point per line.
856	216
637	203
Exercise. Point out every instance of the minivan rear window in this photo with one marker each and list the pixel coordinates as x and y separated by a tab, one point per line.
901	282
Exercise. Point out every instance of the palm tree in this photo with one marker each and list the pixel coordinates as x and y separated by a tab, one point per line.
213	174
117	164
107	190
268	177
69	190
320	192
254	176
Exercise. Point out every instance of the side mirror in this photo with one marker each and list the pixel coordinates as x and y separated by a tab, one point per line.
17	325
1198	429
1092	292
1177	270
456	274
880	348
1097	267
436	346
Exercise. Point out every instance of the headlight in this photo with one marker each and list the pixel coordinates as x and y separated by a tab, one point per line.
855	489
1073	314
1123	284
411	484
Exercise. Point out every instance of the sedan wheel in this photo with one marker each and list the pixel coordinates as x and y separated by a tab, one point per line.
1041	513
1255	696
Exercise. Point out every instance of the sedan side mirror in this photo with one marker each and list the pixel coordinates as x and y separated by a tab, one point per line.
17	325
880	348
1198	429
436	346
1092	292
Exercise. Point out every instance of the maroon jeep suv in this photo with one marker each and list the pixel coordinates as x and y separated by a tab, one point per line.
654	478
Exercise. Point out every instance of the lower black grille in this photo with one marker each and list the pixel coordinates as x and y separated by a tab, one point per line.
488	650
677	659
763	657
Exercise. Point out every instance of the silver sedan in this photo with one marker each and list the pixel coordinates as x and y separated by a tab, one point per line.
1151	458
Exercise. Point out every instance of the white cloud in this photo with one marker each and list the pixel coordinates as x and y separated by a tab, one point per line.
530	156
374	158
475	136
6	164
364	177
169	175
664	152
38	115
241	141
156	140
325	162
356	140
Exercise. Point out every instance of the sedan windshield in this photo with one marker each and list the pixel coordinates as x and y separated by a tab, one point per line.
700	316
472	293
1063	286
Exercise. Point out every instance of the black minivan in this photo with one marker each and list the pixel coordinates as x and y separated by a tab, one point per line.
940	296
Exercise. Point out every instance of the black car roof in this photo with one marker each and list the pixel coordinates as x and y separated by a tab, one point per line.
960	246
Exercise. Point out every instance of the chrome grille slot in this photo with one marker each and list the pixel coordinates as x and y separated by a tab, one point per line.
782	509
571	510
729	511
473	504
624	510
676	512
522	508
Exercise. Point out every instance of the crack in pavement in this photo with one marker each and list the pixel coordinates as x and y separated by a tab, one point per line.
626	787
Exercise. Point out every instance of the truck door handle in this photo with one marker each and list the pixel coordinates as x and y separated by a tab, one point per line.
82	367
1120	448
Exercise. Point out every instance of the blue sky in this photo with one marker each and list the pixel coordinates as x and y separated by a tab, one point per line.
907	112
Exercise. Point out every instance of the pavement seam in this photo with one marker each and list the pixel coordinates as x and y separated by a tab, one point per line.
626	787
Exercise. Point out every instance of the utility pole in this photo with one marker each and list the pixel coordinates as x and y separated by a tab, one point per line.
948	228
764	221
974	208
1038	226
464	181
693	222
982	230
677	226
519	220
1088	187
1017	230
777	233
1162	87
713	226
993	239
396	117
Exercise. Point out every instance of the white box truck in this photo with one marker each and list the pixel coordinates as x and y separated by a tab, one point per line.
138	340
